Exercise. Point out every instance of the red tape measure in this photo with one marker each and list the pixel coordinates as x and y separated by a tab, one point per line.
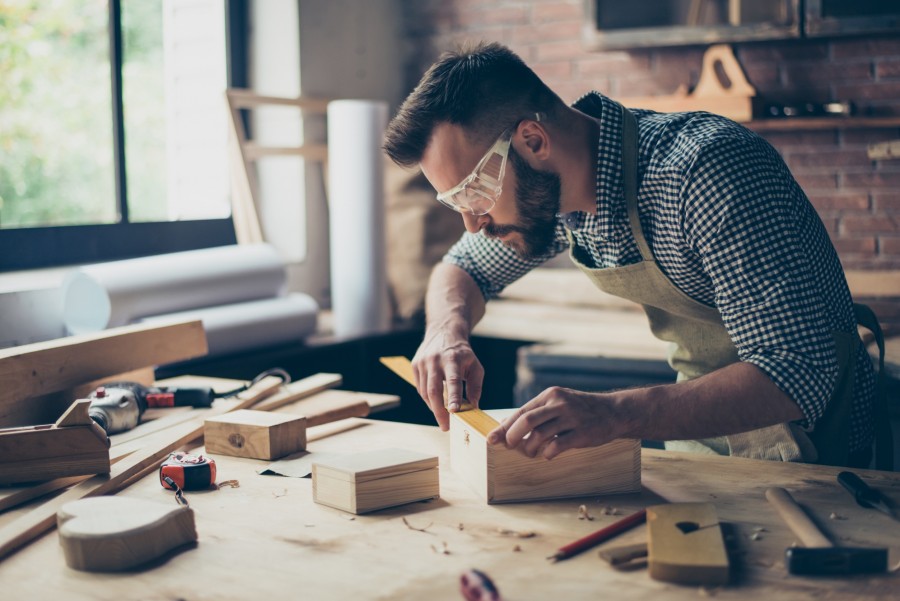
188	472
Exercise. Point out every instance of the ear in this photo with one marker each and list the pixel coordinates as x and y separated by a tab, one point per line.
535	140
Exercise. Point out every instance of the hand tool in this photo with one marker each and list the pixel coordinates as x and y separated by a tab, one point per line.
602	535
187	472
820	557
865	495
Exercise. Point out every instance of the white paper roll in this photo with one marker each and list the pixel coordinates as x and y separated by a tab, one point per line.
359	297
96	297
254	324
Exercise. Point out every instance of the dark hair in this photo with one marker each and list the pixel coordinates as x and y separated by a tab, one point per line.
485	89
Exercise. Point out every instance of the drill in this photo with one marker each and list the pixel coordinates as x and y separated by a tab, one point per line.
119	406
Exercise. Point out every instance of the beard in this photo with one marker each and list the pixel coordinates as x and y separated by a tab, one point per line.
537	204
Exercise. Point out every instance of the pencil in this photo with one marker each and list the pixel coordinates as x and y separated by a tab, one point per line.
604	534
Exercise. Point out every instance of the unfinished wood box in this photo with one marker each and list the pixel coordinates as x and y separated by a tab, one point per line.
500	475
375	480
255	434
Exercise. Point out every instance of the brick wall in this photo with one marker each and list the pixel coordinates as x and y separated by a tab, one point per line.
858	199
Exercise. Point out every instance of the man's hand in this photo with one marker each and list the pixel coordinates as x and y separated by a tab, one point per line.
444	358
559	419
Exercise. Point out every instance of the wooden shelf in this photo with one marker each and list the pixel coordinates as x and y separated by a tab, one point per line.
820	123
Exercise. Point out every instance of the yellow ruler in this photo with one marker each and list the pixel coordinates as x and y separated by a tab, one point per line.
475	418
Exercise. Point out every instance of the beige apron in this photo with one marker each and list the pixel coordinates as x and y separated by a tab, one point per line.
700	344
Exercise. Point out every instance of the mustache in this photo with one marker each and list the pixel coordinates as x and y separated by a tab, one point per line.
495	231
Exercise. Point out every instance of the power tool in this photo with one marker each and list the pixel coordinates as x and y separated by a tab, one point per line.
119	406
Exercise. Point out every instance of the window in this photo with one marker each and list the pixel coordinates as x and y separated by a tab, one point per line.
113	132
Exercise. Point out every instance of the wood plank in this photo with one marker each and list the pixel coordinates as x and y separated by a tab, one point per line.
685	544
300	389
45	367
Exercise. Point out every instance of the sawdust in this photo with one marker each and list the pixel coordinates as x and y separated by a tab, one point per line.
610	510
583	513
835	516
411	527
517	549
517	533
279	493
443	550
229	484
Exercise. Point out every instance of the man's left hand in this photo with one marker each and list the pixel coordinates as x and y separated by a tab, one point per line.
559	419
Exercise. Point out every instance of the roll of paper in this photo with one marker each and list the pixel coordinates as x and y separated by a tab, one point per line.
243	326
359	297
96	297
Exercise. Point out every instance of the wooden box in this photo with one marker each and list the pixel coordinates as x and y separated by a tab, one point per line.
500	475
255	434
375	480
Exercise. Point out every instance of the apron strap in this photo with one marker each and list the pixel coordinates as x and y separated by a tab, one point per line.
629	177
884	441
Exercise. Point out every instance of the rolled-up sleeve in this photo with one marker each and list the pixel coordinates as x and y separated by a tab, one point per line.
740	210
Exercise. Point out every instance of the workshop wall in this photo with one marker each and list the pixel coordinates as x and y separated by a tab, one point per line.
858	199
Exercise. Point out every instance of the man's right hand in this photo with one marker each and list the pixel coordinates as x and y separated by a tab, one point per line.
444	358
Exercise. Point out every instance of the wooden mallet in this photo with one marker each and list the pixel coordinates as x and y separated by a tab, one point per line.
820	557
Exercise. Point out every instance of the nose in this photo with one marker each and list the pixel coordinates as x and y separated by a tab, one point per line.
474	223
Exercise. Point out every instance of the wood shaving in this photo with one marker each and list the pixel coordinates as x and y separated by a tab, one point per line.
517	549
411	527
279	493
229	483
609	510
834	516
760	529
517	533
443	550
755	536
583	513
460	527
708	592
895	568
349	518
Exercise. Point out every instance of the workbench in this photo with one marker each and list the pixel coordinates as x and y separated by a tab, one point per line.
268	540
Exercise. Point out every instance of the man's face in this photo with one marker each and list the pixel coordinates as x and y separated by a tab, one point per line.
524	216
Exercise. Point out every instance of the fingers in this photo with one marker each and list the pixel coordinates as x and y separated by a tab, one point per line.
474	381
454	386
435	399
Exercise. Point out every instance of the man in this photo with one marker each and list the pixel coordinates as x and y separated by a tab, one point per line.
688	214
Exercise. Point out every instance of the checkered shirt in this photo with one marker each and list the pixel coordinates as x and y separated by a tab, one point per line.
730	227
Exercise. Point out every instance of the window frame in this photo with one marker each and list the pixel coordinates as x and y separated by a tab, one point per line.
56	246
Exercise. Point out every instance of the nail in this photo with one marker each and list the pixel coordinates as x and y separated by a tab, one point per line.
454	407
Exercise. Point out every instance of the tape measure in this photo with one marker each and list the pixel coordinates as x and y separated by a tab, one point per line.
187	472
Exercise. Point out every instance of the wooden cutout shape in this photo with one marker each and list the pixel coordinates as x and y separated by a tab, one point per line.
685	544
111	534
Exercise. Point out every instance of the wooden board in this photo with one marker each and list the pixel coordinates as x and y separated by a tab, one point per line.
685	544
111	534
500	475
326	555
254	434
45	367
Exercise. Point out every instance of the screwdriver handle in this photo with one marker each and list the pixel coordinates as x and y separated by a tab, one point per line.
862	492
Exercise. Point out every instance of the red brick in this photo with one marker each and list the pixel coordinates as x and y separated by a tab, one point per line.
812	183
801	139
887	68
886	202
870	180
557	11
763	76
612	63
829	157
557	71
503	15
856	246
550	32
782	52
871	224
864	137
840	202
819	72
868	91
865	48
889	245
551	51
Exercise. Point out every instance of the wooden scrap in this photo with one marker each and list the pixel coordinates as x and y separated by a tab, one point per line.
685	544
111	534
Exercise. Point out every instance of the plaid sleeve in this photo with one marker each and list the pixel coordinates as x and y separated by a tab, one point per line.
740	210
491	264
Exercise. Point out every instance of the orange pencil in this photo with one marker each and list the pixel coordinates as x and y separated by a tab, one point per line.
604	534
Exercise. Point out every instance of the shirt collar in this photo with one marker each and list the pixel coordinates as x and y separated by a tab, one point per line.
610	218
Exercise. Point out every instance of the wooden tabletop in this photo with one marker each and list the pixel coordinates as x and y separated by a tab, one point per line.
268	540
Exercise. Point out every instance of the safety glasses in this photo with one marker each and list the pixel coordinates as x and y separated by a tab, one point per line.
478	193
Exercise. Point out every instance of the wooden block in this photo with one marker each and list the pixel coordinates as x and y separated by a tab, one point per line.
255	434
371	481
36	369
685	544
500	475
110	534
73	446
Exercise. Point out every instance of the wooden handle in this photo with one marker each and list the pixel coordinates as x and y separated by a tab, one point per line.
338	412
796	519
